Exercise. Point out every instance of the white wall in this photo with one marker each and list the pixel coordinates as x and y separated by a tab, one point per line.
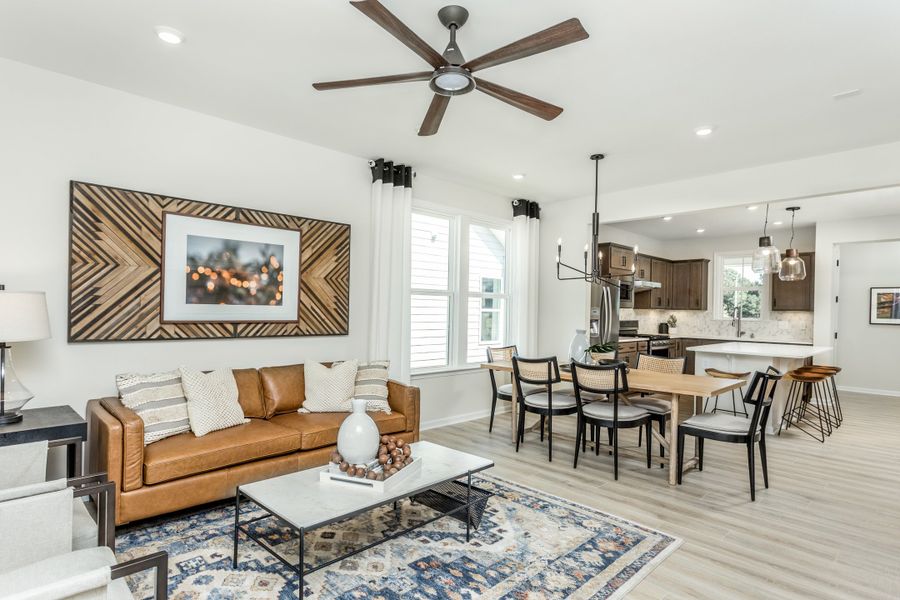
831	239
55	128
872	351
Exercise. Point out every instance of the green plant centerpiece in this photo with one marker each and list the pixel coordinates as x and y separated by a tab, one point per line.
672	321
602	351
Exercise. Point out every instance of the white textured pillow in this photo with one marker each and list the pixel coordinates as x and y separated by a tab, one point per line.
212	400
329	390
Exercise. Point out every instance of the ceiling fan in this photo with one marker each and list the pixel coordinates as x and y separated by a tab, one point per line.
452	74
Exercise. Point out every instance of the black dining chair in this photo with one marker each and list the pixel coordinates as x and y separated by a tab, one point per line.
736	430
503	391
609	379
543	372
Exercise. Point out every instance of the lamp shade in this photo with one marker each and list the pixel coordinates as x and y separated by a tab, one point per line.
23	317
792	267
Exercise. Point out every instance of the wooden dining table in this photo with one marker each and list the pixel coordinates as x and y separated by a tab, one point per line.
671	386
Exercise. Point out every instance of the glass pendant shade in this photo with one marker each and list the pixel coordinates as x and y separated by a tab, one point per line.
766	258
792	267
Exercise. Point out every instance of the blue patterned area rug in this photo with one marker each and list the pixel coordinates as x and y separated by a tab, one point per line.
530	545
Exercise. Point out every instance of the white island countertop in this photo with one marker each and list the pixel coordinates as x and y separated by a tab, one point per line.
752	349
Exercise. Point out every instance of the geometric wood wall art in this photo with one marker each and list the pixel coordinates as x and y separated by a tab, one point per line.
115	251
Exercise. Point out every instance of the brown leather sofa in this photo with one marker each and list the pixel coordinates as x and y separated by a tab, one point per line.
184	470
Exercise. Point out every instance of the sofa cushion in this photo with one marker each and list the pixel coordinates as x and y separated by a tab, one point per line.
283	389
186	454
250	393
321	429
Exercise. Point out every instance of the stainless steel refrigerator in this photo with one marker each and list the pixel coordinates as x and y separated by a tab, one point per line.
604	314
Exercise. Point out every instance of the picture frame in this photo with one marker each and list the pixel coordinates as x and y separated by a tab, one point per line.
223	271
884	305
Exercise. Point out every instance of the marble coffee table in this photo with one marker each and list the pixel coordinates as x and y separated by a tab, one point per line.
305	503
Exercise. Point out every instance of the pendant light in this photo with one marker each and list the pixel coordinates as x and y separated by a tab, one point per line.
766	258
792	267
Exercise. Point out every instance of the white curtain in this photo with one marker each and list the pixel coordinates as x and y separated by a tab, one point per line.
524	277
389	266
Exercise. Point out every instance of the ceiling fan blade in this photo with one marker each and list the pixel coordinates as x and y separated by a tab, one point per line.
378	13
567	32
435	114
349	83
538	108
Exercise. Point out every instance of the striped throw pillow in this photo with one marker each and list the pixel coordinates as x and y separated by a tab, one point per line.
371	385
158	399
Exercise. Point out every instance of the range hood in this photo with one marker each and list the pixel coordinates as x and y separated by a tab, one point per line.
641	285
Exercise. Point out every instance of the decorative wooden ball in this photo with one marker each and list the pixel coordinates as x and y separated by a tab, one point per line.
400	443
385	439
351	471
372	475
343	466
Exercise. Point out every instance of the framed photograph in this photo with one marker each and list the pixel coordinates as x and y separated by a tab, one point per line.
884	306
227	272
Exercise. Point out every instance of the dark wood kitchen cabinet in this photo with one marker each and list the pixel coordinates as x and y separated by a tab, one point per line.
661	272
690	284
796	295
618	260
643	270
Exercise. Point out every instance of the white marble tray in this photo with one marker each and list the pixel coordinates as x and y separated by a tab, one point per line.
330	476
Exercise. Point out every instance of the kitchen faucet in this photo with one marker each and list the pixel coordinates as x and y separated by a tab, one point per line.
736	320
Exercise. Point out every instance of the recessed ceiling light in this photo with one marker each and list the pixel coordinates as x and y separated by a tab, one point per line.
847	94
519	176
778	223
169	35
752	207
701	230
667	218
705	130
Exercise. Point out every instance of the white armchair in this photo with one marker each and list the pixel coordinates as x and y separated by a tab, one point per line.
37	559
23	472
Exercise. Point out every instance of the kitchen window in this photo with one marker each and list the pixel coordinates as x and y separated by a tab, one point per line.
738	285
459	289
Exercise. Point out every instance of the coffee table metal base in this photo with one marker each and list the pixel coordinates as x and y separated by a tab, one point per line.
300	568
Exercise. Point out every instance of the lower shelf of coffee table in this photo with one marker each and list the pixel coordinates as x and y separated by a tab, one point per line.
451	495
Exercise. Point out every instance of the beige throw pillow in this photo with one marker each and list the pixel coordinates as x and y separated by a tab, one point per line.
212	400
329	390
158	399
371	385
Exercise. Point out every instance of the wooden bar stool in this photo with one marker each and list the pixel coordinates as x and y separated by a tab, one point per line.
725	375
806	386
832	390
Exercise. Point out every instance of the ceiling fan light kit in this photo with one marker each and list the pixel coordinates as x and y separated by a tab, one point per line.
452	74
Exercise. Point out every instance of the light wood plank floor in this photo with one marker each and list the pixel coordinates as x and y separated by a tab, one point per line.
827	528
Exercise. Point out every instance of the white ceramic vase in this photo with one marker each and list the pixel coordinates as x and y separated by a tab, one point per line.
579	345
358	437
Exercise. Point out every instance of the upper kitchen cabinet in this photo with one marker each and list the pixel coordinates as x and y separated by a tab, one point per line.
690	284
796	295
618	260
643	268
661	272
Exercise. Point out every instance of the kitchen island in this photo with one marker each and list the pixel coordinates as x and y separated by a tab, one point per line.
741	357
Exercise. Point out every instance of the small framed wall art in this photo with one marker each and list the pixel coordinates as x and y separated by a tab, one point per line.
216	271
884	306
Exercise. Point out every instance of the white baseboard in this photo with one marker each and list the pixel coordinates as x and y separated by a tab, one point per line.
454	419
873	391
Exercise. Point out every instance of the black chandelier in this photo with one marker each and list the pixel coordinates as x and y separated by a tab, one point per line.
595	274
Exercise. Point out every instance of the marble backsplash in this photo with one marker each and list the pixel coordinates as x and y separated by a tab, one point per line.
794	327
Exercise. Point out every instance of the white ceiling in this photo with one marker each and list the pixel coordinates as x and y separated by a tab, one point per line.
762	71
738	220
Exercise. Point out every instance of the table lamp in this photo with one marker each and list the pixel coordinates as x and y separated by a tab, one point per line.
23	318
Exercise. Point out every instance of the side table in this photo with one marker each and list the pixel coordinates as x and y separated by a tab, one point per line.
59	425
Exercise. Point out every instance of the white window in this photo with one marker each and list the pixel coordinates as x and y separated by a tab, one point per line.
459	289
738	286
